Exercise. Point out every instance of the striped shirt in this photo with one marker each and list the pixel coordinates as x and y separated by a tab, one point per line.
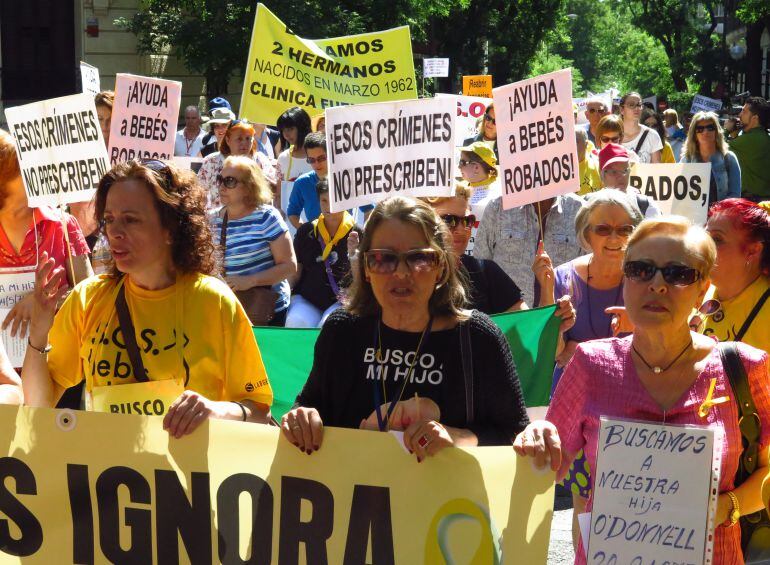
248	245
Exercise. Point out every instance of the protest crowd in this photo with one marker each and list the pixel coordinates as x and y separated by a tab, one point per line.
647	240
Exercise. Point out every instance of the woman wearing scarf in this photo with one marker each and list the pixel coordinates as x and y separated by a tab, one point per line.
478	166
322	264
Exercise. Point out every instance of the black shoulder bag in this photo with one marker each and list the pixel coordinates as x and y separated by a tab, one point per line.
257	301
753	314
645	133
755	528
129	336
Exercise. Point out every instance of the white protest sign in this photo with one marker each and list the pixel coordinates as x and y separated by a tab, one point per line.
144	118
705	104
435	68
89	76
536	138
654	494
14	285
60	148
580	104
469	110
651	100
401	148
676	188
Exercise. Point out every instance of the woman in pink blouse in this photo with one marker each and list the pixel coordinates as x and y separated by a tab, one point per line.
665	373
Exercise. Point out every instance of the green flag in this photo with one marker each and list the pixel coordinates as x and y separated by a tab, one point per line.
532	335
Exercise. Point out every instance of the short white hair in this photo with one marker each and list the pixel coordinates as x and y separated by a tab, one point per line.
604	197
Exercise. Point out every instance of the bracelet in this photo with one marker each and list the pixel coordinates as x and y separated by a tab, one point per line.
43	351
242	407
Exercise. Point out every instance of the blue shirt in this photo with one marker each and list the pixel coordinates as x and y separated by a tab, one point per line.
248	245
304	197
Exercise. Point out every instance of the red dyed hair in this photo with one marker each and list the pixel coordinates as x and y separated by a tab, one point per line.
9	161
753	220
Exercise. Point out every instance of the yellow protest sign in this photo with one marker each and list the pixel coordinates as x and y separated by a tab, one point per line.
284	70
89	487
477	85
151	398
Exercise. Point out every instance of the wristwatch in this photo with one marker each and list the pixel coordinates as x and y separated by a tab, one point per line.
735	514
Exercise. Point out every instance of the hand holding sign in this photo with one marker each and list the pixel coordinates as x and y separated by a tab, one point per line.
540	440
544	274
620	323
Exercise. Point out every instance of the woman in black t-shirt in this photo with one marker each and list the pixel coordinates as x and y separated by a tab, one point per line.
404	354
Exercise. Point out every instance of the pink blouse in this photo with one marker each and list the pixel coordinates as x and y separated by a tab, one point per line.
593	386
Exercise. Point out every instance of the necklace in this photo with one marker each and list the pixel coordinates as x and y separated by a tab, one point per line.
591	310
657	370
384	423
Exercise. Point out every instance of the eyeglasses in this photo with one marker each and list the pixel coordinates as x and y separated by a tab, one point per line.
597	110
386	262
677	275
605	230
608	139
617	172
228	182
709	127
466	222
313	160
632	105
489	119
463	163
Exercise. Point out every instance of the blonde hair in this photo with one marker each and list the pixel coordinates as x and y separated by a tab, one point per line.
691	149
610	122
462	190
259	192
696	238
449	297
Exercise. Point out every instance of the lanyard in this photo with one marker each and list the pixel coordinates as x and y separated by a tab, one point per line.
378	400
327	267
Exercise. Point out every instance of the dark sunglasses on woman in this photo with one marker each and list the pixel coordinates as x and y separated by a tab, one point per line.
227	182
452	221
708	127
677	275
386	262
490	119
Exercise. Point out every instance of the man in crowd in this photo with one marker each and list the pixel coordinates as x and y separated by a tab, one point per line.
615	170
189	140
304	197
596	109
510	238
753	149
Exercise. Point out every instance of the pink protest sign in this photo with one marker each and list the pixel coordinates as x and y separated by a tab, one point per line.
536	138
144	118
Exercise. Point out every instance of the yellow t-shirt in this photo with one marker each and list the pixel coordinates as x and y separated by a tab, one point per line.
588	169
667	155
728	321
220	358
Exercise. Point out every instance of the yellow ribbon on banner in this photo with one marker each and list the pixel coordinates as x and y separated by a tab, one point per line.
436	546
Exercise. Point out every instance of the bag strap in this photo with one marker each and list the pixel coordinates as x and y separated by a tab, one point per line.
223	241
748	420
645	133
753	314
467	360
129	336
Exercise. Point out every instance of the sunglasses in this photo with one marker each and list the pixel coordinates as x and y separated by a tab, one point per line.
489	119
596	110
708	308
677	275
608	139
463	163
605	230
313	160
466	222
709	127
227	182
386	262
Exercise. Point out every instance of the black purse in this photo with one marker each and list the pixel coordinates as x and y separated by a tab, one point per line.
755	528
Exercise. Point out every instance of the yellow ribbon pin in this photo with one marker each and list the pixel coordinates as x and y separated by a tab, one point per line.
704	408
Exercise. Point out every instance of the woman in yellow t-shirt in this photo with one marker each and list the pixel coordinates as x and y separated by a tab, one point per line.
737	306
157	334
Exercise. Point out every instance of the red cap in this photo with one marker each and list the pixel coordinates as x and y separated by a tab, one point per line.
612	153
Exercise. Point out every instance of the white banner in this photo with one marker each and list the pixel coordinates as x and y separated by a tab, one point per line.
89	76
144	118
469	110
654	494
536	138
60	147
435	68
676	188
705	104
392	148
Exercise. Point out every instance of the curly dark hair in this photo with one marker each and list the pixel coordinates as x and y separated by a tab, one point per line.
180	202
